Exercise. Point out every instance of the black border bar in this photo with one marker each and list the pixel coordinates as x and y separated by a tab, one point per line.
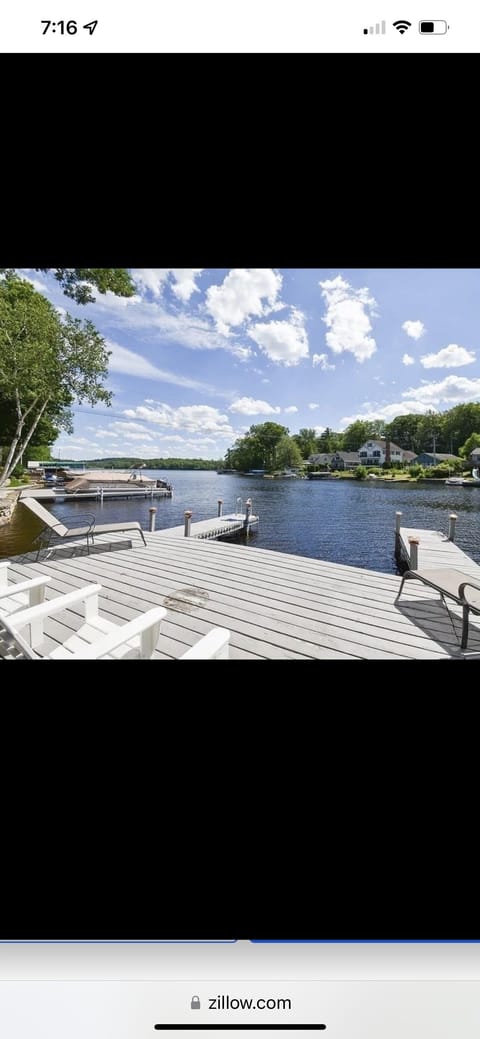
240	1028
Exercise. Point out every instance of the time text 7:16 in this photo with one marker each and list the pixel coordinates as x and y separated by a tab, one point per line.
70	27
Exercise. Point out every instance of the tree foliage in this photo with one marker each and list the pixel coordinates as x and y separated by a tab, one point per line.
306	440
288	454
258	448
46	363
470	444
78	282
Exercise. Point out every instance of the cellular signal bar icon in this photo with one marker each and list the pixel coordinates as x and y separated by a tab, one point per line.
377	30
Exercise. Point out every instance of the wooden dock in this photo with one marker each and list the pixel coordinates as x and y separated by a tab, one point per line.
47	494
276	605
435	550
221	526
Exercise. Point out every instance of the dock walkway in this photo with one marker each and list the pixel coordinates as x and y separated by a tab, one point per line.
276	605
221	526
435	551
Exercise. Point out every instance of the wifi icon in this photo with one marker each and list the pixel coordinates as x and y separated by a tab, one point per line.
402	25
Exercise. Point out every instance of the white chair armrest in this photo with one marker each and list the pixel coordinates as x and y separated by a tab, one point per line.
24	586
53	606
213	646
146	625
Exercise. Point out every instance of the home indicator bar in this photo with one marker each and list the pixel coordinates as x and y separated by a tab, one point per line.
240	1028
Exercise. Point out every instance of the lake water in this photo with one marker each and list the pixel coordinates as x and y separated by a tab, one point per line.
342	521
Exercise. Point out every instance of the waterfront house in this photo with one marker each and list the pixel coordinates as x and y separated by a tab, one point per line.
474	456
374	452
320	459
428	458
345	460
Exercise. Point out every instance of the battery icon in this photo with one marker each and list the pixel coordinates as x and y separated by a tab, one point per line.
433	28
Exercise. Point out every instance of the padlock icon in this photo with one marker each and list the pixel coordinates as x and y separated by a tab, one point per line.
195	1004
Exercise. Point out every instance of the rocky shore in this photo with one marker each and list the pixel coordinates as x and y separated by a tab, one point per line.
8	501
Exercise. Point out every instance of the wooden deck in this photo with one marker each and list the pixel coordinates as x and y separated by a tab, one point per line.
436	551
276	605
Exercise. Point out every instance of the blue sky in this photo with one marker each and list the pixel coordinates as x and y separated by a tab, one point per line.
199	355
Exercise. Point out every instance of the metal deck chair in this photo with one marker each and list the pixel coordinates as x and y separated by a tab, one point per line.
55	531
98	637
451	584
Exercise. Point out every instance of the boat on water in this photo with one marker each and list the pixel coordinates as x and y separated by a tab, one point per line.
110	480
458	481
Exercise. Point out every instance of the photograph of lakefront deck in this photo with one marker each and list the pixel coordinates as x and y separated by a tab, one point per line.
275	605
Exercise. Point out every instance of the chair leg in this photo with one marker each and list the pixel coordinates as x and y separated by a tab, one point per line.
143	538
465	609
401	589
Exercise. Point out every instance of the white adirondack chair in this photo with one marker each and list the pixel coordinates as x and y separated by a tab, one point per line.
96	637
100	638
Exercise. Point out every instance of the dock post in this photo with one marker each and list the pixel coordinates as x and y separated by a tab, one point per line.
248	510
398	522
219	506
188	523
414	543
452	519
153	513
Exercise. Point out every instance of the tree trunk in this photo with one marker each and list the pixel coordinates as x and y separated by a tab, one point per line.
8	464
16	451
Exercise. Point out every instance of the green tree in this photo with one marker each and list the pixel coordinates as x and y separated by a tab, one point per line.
356	434
470	444
306	440
288	453
78	282
459	423
46	363
258	448
406	431
329	441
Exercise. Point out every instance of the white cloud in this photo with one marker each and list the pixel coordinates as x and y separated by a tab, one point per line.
244	292
322	361
130	363
266	380
291	410
386	412
249	406
155	279
347	316
195	418
455	389
283	341
419	400
151	321
451	356
313	407
407	359
414	329
319	430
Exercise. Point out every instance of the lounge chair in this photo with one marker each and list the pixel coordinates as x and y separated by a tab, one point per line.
55	531
24	593
98	637
450	583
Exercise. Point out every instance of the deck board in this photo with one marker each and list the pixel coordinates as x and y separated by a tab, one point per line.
276	605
